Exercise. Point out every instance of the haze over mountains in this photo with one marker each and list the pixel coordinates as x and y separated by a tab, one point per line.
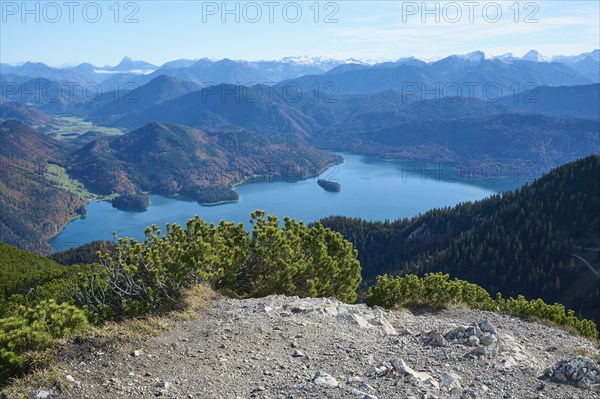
174	120
207	71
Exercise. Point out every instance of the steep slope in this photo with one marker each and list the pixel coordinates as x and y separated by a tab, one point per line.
540	141
171	159
22	271
516	243
587	64
24	113
113	105
258	108
578	101
32	208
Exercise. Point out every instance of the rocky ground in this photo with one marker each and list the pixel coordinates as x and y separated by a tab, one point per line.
285	347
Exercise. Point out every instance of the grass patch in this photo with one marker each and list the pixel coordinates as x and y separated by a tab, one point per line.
586	353
28	386
72	126
61	178
196	299
46	372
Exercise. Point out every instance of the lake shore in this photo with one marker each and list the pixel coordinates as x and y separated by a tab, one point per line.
374	189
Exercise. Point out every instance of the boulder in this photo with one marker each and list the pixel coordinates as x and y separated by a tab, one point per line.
403	369
385	326
579	370
486	326
435	340
451	382
324	379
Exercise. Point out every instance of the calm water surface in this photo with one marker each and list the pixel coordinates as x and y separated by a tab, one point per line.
372	189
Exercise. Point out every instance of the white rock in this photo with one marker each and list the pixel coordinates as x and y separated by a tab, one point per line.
330	310
42	394
306	386
451	381
297	353
386	326
324	379
401	367
376	372
355	319
507	361
265	307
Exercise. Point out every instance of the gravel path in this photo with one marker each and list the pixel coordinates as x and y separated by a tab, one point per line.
285	347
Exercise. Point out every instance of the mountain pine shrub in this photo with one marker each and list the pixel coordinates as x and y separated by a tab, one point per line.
437	291
139	277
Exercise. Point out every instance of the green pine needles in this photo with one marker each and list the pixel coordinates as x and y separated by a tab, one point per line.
436	291
293	259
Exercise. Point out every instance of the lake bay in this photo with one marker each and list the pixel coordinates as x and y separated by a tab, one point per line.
372	189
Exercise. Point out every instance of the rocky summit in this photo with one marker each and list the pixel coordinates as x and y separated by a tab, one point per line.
287	347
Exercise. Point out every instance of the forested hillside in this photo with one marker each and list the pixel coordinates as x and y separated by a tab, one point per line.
32	207
516	243
172	159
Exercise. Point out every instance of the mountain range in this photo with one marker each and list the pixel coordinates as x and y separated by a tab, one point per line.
205	71
197	140
561	123
474	75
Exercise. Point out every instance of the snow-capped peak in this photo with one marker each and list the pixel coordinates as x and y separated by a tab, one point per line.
535	56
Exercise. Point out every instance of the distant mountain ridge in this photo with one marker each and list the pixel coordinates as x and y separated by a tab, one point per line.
205	70
471	74
24	113
578	101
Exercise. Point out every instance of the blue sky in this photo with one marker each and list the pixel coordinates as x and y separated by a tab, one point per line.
375	30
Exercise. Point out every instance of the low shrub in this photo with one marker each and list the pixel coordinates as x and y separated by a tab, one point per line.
437	291
35	329
137	278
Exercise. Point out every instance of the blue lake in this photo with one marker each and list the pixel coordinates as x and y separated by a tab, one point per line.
372	189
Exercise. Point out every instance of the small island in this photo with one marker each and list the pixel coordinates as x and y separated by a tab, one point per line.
131	202
329	185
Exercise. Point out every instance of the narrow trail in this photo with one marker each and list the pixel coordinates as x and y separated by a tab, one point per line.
585	262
